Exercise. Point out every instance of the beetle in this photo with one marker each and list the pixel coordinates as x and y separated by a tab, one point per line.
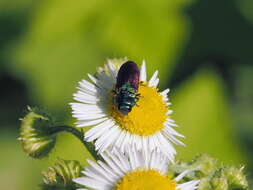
126	89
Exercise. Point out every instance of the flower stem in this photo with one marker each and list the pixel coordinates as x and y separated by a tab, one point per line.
88	145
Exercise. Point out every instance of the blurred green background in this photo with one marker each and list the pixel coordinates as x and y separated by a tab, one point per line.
203	50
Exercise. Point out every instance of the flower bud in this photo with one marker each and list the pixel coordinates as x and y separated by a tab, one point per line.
204	184
200	167
35	138
236	177
204	164
61	175
212	175
219	181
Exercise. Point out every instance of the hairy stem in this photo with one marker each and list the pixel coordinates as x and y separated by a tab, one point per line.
88	145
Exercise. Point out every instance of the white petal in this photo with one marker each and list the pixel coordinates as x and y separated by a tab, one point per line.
175	140
85	98
80	107
98	130
110	173
170	131
89	116
117	162
112	71
112	139
123	160
91	183
107	81
90	172
143	72
191	185
97	171
120	139
165	92
125	142
86	91
112	165
84	84
182	175
104	141
166	147
169	112
85	123
155	83
153	78
171	123
99	83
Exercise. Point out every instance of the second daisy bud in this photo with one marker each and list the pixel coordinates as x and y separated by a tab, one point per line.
61	174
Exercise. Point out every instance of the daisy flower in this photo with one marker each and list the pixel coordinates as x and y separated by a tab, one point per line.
147	126
134	170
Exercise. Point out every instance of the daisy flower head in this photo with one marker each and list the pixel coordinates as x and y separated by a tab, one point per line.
124	110
134	170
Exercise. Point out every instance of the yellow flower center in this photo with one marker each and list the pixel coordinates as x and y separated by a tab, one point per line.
145	180
147	116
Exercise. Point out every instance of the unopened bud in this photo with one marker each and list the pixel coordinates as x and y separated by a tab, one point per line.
204	164
61	175
236	177
34	133
219	183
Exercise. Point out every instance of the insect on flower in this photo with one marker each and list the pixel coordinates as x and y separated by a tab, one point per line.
125	110
126	89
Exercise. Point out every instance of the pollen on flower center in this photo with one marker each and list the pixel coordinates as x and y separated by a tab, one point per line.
145	180
145	118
